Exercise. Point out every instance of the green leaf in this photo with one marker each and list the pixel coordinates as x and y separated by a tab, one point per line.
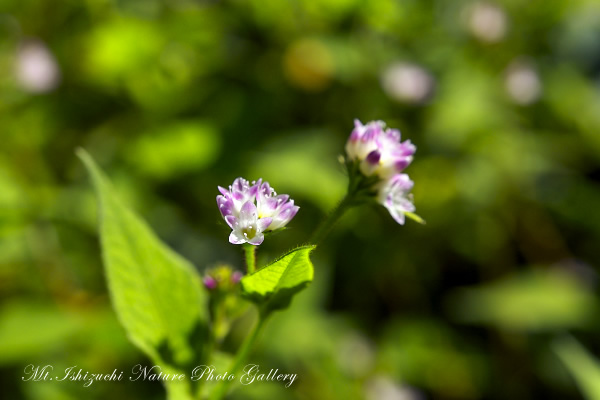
415	217
156	294
20	327
585	369
534	300
273	286
221	362
175	148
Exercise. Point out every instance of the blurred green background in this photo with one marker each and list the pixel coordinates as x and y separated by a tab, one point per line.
495	298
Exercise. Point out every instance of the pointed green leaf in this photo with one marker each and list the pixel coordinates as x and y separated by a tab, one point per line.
415	217
156	294
585	369
273	286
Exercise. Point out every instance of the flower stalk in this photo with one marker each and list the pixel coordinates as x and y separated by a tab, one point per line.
325	227
250	252
241	356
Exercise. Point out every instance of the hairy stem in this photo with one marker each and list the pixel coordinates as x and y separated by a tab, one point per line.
325	227
250	251
240	358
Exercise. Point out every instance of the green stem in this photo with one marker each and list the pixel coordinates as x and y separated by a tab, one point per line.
330	221
250	251
240	358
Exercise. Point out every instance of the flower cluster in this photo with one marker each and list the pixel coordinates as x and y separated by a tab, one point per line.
379	153
250	209
379	150
221	277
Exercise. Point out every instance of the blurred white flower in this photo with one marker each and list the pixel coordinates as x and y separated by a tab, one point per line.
407	82
384	388
36	67
522	83
356	355
487	22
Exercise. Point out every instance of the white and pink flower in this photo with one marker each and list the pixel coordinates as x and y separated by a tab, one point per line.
251	209
379	150
379	153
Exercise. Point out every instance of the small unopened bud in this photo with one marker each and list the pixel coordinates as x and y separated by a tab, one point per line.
236	277
374	157
210	283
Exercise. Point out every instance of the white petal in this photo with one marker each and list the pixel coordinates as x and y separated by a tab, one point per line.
257	239
236	237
